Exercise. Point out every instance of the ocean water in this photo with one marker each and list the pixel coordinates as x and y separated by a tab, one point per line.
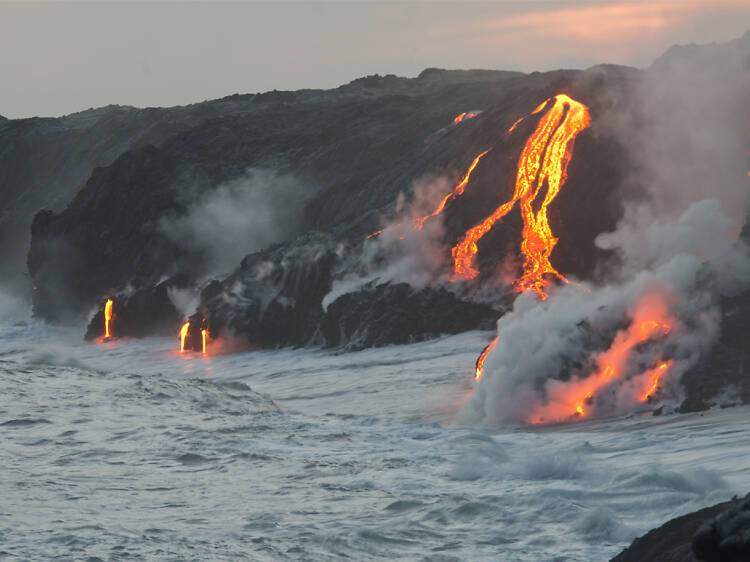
129	450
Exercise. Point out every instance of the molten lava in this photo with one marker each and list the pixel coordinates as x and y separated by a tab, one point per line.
107	318
653	378
458	190
204	332
650	320
465	115
374	234
543	163
480	360
183	335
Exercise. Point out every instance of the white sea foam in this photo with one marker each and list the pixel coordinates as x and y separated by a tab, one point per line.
129	447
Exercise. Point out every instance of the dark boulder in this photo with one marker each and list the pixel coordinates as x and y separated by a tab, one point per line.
725	538
720	533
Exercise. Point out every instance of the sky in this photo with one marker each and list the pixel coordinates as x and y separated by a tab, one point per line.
61	57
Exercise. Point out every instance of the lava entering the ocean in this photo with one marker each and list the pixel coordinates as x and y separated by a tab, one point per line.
183	335
107	318
194	335
650	320
479	368
544	161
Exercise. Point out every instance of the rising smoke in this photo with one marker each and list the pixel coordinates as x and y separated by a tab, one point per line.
239	217
686	133
403	252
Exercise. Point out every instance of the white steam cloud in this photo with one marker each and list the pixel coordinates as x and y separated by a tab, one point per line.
401	253
239	217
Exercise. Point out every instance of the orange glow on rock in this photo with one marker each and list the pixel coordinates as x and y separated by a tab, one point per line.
183	335
458	190
480	360
203	336
107	317
543	162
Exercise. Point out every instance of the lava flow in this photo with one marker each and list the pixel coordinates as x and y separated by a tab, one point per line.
544	161
480	360
458	190
650	320
107	318
653	378
183	335
465	115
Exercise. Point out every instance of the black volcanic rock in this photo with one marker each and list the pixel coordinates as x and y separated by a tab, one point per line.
45	161
727	365
108	239
725	538
720	533
399	314
274	298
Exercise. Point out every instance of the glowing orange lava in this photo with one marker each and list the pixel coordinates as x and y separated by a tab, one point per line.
518	121
374	234
458	190
480	360
653	378
203	335
107	317
465	115
514	125
183	335
543	163
650	320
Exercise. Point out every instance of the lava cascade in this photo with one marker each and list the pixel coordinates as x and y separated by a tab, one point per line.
543	162
650	320
107	318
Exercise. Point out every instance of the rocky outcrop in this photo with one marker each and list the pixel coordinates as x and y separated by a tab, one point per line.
720	533
398	314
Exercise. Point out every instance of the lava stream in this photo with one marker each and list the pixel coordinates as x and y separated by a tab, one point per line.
653	378
203	336
183	335
465	115
107	318
480	360
544	161
458	190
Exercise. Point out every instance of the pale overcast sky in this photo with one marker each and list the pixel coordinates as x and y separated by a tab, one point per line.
60	57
